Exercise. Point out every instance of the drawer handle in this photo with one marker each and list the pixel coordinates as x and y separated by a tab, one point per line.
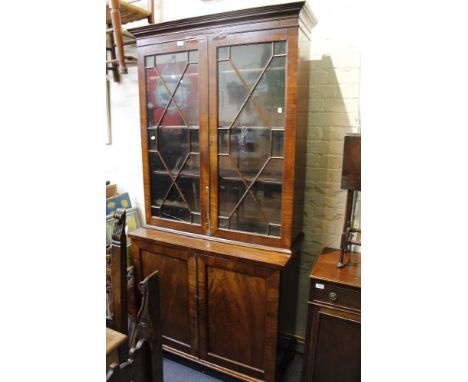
333	296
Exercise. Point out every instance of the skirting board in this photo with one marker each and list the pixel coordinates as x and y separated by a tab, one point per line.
284	338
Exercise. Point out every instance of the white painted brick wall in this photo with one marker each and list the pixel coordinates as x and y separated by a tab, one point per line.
333	112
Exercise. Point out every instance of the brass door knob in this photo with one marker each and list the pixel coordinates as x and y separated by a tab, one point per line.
333	296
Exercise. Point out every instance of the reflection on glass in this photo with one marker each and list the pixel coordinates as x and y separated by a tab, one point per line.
273	171
152	139
275	230
186	96
230	191
223	53
196	218
192	166
268	196
270	92
173	146
190	186
250	149
194	141
174	207
193	56
251	102
172	104
279	47
160	184
157	97
155	162
246	219
149	61
250	60
277	143
231	94
170	67
223	144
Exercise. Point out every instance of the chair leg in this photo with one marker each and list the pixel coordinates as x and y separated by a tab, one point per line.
117	25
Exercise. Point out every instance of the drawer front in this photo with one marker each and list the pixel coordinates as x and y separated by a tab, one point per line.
335	295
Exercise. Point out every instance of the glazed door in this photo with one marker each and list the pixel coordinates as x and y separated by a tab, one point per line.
249	109
238	310
174	130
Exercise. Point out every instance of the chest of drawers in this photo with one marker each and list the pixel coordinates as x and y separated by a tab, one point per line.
333	337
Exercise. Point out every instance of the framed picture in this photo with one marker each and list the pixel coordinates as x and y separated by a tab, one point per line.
132	222
118	201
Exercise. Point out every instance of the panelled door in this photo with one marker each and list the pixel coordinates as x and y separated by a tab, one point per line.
238	310
178	292
248	157
175	134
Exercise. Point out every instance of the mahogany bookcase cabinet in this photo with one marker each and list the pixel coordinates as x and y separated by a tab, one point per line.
223	102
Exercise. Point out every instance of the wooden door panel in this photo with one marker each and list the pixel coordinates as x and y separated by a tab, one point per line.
238	315
334	346
177	293
236	310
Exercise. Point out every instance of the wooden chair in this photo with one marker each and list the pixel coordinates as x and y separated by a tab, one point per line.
119	13
118	273
145	359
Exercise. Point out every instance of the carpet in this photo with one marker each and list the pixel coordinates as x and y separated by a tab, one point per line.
179	370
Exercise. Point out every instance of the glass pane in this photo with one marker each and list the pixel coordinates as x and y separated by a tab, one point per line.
194	141
277	143
173	146
250	149
250	60
275	231
160	184
250	143
172	94
192	166
273	171
174	207
223	222
268	196
196	218
279	47
246	218
270	92
193	56
190	188
149	61
173	116
186	96
155	163
157	97
231	94
223	136
170	67
152	139
227	168
223	53
230	192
